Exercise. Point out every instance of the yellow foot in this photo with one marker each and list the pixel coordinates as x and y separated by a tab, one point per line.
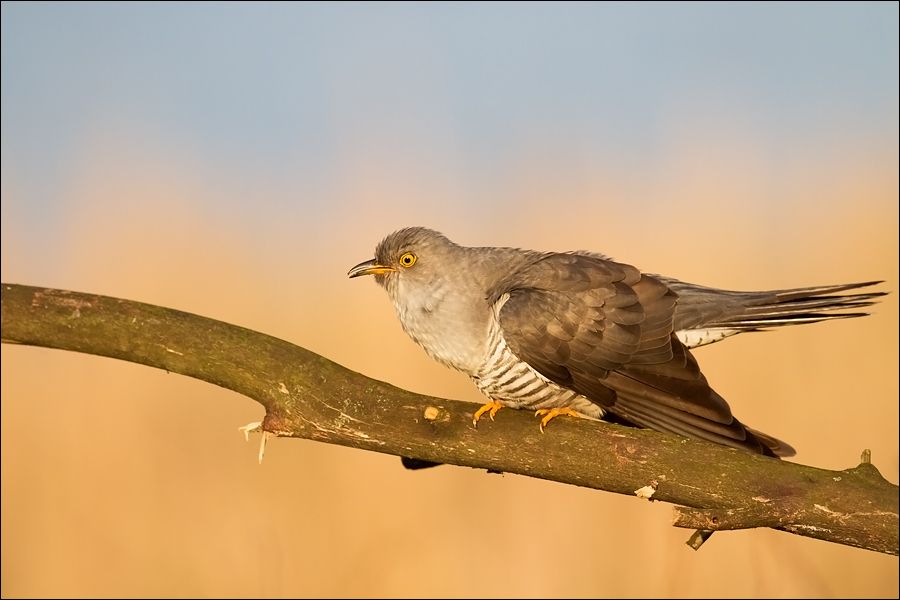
491	408
552	413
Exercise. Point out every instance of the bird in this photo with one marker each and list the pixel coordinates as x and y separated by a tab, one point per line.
578	333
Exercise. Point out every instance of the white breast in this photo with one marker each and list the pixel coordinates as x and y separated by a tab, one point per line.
443	326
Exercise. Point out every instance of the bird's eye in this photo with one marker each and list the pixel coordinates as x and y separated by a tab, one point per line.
408	260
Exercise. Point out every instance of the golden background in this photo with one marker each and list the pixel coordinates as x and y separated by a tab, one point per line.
122	480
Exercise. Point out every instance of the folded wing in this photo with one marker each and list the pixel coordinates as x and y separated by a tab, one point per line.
606	330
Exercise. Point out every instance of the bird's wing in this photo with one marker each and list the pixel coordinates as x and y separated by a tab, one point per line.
605	330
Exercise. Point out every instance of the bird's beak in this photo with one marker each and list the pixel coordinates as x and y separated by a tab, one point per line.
370	267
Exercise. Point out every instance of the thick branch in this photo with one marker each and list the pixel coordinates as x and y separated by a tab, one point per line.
309	396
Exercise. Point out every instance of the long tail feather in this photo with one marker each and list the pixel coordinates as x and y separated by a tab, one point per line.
802	305
705	315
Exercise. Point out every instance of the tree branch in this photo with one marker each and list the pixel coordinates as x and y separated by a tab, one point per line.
306	395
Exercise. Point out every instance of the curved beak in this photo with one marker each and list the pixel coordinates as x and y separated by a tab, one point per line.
369	267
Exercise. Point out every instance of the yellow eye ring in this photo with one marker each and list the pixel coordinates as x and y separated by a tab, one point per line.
407	260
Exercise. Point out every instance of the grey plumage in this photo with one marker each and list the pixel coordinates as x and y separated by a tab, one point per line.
578	330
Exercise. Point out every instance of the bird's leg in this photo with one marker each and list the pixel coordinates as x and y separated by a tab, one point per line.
491	408
552	413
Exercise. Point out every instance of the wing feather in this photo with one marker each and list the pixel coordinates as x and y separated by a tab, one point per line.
606	331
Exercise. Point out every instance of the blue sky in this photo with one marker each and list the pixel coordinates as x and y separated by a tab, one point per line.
280	90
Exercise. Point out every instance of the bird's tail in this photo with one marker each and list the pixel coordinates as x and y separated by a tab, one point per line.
706	315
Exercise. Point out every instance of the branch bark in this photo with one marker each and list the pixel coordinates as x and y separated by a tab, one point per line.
308	396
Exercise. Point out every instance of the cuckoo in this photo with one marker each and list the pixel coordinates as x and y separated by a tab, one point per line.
578	333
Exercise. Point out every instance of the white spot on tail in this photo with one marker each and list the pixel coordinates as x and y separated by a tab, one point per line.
692	338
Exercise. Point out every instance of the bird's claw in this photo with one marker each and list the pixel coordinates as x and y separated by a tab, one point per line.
552	413
491	408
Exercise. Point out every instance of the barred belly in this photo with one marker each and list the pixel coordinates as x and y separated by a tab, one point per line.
512	382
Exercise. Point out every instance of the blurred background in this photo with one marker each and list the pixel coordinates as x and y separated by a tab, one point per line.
235	160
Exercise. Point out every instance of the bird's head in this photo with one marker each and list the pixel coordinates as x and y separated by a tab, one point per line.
415	256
